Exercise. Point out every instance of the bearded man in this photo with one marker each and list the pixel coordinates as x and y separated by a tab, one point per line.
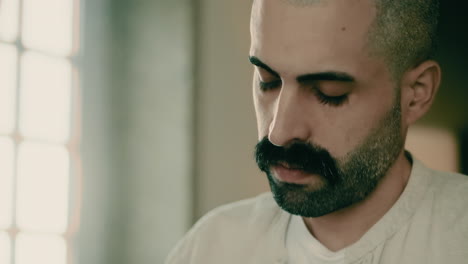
337	83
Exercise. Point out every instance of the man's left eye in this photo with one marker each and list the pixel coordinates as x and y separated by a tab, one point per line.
331	100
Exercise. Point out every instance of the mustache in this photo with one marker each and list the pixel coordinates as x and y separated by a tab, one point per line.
298	155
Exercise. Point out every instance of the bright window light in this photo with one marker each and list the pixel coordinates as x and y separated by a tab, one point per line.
8	60
5	247
9	20
35	249
45	97
38	121
6	182
48	25
42	188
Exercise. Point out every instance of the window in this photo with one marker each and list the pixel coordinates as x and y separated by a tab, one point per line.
39	130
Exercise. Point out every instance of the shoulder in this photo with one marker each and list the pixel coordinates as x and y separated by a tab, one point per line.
235	218
449	193
441	186
232	227
240	214
450	186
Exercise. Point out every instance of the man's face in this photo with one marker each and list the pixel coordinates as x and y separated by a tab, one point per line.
328	113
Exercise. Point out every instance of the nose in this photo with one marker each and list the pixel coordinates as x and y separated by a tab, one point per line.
290	121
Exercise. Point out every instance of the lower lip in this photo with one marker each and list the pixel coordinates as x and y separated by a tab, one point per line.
291	175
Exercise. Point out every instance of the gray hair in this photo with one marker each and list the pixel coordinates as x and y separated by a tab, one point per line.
405	32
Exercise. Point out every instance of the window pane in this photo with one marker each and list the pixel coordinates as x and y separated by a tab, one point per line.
9	20
6	182
8	63
42	196
47	25
45	97
34	249
5	247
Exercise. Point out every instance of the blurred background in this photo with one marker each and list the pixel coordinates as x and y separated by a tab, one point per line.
124	121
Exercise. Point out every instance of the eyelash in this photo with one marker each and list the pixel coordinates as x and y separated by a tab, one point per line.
332	100
323	98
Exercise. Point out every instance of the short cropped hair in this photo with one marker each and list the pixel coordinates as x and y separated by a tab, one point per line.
404	32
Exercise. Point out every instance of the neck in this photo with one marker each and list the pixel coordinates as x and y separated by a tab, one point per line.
342	228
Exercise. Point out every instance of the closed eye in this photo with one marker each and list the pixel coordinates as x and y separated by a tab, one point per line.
331	100
323	98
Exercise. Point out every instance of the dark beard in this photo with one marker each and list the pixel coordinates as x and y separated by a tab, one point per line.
345	181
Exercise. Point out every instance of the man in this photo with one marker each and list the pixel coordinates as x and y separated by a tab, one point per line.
337	83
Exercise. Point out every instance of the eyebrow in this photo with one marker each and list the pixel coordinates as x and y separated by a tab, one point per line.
312	77
257	62
326	76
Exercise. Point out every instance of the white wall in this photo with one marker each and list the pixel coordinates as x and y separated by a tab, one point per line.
156	127
138	142
159	128
226	129
91	245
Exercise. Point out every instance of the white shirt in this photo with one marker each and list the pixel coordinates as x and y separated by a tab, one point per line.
428	224
304	248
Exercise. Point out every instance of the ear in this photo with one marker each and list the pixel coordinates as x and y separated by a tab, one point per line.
419	87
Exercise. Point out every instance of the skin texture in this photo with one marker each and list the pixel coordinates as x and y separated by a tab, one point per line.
332	36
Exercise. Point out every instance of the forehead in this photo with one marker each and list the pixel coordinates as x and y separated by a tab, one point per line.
326	35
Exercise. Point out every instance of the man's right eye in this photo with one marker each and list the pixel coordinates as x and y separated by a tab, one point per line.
265	86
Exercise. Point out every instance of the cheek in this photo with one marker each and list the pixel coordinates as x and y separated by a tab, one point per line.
343	131
338	139
365	124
